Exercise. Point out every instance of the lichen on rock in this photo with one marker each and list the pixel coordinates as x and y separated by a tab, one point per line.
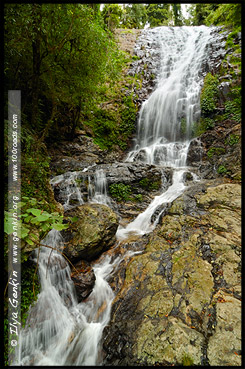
181	291
93	232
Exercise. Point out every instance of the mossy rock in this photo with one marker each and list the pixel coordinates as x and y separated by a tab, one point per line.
93	232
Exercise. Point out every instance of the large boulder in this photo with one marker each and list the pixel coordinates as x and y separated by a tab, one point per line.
183	293
93	232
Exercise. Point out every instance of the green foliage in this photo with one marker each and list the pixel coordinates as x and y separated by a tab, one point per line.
233	110
209	94
199	12
112	14
35	172
202	126
35	223
231	41
30	288
128	116
112	126
215	151
158	14
225	14
147	184
222	169
134	16
232	139
138	197
216	14
58	55
120	191
187	360
178	21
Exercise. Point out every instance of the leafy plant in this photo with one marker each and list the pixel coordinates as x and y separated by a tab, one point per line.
120	191
209	94
232	140
215	151
138	197
233	110
222	169
146	183
33	218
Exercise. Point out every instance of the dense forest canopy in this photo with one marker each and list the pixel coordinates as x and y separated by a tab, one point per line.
63	53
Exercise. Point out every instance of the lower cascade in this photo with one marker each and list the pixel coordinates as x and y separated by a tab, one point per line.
60	330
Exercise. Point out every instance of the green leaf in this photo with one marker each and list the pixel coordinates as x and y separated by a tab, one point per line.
43	217
34	236
25	198
8	227
35	212
24	232
60	227
45	226
29	241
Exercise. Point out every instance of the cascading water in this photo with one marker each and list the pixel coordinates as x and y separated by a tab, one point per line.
59	330
97	190
166	118
173	105
71	189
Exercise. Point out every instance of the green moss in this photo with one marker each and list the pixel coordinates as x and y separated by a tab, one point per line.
138	198
120	191
187	360
202	126
232	140
147	184
215	151
30	288
113	126
222	169
209	94
233	110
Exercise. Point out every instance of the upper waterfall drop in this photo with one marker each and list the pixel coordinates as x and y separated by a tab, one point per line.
166	118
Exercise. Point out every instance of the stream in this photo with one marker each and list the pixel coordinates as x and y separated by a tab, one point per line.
60	331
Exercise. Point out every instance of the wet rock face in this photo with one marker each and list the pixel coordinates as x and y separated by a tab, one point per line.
219	149
183	293
75	155
144	180
93	232
147	66
84	279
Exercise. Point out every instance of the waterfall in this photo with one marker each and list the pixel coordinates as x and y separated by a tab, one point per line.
161	138
166	118
59	330
71	191
97	189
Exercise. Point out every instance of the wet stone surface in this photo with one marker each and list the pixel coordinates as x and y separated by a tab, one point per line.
181	291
